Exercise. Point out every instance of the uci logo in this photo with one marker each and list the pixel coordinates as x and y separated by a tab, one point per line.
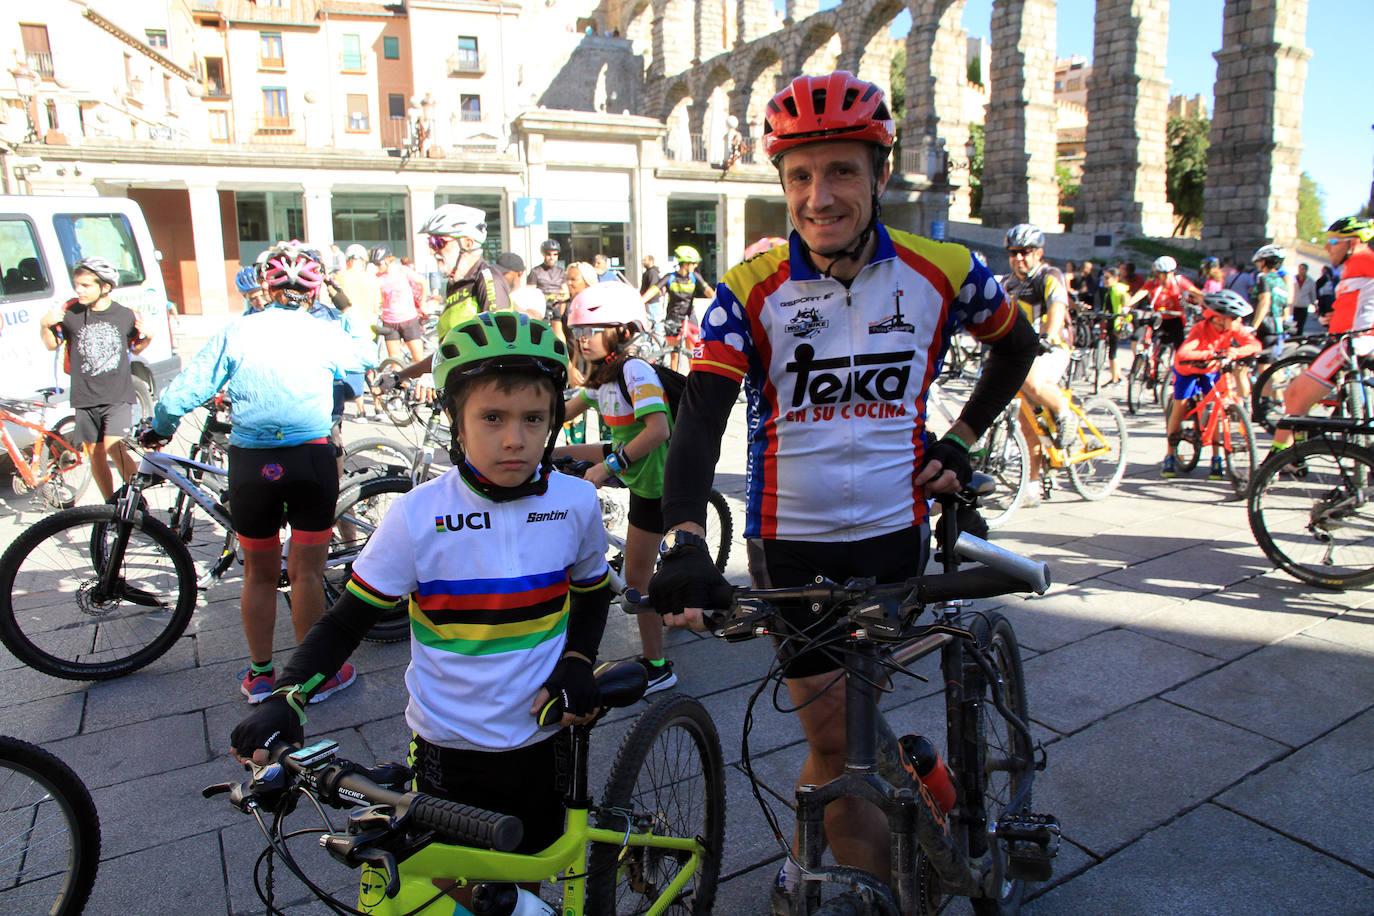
866	377
473	521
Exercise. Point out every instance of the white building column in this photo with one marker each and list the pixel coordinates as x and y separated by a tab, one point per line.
318	201
420	201
730	232
208	238
650	210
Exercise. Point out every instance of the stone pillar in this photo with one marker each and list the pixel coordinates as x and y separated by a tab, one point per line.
1123	190
730	238
933	131
1251	196
420	202
710	18
797	10
318	202
755	18
1019	152
207	237
674	36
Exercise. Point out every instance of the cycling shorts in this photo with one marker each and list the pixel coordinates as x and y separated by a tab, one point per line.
1193	386
526	782
105	421
782	564
1330	361
683	329
413	329
298	484
1049	368
646	513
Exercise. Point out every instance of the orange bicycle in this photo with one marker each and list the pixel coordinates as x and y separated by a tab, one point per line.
1218	420
52	468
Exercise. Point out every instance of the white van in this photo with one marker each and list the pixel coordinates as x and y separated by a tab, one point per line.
41	238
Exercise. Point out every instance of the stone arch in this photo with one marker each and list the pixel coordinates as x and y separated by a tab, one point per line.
677	115
674	35
869	48
712	108
715	28
763	80
820	49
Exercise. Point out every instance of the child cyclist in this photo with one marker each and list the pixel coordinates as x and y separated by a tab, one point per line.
606	321
505	566
1211	347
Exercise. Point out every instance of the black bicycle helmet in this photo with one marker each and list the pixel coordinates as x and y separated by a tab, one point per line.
379	254
1024	235
548	246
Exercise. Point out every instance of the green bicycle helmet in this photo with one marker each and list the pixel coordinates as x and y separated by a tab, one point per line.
1348	227
687	254
500	342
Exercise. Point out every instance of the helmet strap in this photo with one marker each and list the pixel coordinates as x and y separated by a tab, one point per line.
537	485
853	252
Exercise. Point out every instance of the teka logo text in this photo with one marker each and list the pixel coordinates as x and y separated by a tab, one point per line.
865	377
472	521
553	515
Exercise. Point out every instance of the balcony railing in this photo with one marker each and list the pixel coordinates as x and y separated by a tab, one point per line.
301	12
271	63
40	62
461	64
216	90
698	148
277	129
395	133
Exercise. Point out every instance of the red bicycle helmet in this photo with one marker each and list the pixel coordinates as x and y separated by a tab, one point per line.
839	106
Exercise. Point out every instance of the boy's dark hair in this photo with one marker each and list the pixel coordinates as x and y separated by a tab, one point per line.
456	397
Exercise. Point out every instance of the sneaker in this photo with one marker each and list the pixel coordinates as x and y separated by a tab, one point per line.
1170	468
1066	430
660	677
1033	495
1218	472
342	678
256	687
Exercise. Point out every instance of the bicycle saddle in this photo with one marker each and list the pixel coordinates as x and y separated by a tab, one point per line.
50	392
621	683
980	484
1326	424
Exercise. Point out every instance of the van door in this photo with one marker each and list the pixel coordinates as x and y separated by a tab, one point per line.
27	292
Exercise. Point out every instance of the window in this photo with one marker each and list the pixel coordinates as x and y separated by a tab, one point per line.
351	58
274	110
37	51
104	235
468	58
391	47
270	51
215	87
357	113
21	264
471	107
395	105
157	38
219	126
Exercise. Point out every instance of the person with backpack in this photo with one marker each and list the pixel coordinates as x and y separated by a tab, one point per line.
607	321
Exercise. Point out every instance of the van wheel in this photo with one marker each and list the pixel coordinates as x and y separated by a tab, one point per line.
143	401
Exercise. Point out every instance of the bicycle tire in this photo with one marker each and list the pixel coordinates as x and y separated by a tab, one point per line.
1099	360
989	746
1288	500
688	728
395	403
1002	454
720	528
1238	449
1164	377
1135	383
1267	409
38	633
1098	478
68	473
849	903
53	783
379	455
393	625
1188	443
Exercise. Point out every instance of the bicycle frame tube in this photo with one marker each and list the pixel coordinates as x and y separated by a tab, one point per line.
161	466
21	465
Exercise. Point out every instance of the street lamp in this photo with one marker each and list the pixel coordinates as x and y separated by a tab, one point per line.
26	84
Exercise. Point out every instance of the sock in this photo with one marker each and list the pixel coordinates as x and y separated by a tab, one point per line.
255	669
789	876
1279	446
657	662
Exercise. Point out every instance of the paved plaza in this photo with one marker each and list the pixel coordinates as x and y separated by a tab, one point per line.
1208	722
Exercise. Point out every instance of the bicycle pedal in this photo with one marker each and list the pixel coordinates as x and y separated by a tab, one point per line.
1032	844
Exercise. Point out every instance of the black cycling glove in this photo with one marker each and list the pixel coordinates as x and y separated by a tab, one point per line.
273	720
572	688
687	577
952	457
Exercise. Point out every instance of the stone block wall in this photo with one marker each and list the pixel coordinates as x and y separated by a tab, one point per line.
934	129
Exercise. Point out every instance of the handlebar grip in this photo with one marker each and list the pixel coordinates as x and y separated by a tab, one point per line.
467	825
968	583
1033	574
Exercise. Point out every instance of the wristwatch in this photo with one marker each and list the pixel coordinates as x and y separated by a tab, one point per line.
679	538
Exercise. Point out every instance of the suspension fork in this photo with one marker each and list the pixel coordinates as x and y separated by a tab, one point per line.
126	510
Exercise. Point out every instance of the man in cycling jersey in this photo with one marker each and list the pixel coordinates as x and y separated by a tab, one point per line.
836	336
1167	290
1348	249
1043	296
551	280
279	369
681	287
1270	296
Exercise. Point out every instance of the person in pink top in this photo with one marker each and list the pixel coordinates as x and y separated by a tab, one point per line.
401	321
1213	279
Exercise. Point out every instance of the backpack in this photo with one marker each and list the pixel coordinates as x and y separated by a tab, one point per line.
673	383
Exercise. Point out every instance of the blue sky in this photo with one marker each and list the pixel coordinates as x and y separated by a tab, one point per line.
1338	110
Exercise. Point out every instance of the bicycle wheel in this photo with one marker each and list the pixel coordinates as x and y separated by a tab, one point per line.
67	472
668	771
1238	448
1266	394
55	617
396	404
720	528
1187	442
1309	509
1001	454
1136	382
377	455
1099	360
995	762
360	510
1164	377
49	833
1102	437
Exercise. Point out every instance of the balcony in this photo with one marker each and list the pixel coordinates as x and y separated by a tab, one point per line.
288	12
395	133
40	62
216	90
277	130
271	63
467	64
695	148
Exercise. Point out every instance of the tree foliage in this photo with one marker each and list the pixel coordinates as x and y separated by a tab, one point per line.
975	71
897	79
1311	223
1187	170
975	169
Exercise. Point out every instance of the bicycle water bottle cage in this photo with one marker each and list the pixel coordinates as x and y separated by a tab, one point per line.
1032	844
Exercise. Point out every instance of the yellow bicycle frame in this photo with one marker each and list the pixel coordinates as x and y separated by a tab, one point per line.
1058	458
439	865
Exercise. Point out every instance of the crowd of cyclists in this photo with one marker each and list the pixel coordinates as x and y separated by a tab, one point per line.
834	334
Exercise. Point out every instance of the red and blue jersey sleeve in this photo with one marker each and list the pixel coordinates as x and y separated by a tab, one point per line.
727	345
981	305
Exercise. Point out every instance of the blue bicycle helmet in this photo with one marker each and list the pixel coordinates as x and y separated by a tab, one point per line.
247	280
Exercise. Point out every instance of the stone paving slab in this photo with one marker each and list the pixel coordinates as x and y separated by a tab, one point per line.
1322	794
1227	629
103	758
1067	614
132	884
1189	574
42	721
1212	861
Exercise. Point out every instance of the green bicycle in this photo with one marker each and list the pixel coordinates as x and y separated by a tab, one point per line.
652	845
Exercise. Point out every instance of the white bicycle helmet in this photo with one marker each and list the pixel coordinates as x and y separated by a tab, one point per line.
457	221
355	251
1267	253
104	271
1165	265
1024	235
1228	302
608	304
